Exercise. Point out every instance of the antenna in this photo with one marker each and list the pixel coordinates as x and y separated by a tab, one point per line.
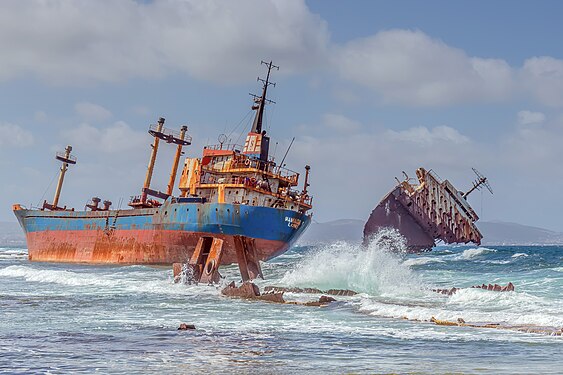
222	138
260	101
480	181
281	164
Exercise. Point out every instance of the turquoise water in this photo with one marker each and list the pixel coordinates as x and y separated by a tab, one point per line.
64	318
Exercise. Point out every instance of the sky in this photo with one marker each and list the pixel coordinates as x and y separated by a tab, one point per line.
367	88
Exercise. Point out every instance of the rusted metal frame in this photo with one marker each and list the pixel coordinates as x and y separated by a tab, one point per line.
206	259
293	180
265	192
248	262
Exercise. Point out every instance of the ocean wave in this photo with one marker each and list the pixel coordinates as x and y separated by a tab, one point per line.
474	306
373	269
13	254
159	282
472	253
421	261
518	255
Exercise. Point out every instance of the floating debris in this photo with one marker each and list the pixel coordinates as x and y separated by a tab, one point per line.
185	327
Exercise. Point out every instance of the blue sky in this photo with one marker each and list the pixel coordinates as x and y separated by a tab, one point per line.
368	88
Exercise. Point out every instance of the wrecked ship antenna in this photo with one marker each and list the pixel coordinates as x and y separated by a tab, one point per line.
289	148
480	181
260	101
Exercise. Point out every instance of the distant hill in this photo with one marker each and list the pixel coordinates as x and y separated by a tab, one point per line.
11	234
494	233
349	230
502	233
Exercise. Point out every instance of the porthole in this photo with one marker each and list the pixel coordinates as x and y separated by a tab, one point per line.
166	212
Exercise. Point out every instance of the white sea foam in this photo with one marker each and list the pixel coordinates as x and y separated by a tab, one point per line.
13	254
518	255
421	261
472	253
474	306
116	282
372	269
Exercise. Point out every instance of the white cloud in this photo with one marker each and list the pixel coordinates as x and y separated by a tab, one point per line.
40	116
423	135
543	78
15	136
84	41
340	123
118	138
409	67
351	172
530	118
91	111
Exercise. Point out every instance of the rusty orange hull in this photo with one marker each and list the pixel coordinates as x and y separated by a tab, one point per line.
164	235
132	247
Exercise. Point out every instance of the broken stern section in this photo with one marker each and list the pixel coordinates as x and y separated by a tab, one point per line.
425	212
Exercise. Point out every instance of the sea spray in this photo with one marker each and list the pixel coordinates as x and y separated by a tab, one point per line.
375	269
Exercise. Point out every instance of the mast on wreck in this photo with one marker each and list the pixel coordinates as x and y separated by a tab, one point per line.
65	158
257	142
159	132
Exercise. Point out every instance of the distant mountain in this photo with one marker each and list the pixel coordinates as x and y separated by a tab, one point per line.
494	233
503	233
349	230
11	234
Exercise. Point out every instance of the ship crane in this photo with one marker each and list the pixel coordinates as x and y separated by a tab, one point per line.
66	159
159	132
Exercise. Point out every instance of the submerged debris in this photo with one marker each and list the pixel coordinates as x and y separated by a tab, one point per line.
496	288
250	290
333	292
185	327
521	328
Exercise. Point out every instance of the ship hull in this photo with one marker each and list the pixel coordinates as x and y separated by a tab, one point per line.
163	235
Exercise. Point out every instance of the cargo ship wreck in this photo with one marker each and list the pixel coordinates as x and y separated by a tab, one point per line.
428	211
234	196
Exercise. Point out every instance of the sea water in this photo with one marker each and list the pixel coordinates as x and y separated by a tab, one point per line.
73	318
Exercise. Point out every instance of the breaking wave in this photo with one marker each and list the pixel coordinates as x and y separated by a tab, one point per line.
12	254
472	253
117	282
421	261
518	255
372	269
474	306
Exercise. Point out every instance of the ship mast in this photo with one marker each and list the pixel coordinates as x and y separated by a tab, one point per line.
261	100
257	143
66	159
